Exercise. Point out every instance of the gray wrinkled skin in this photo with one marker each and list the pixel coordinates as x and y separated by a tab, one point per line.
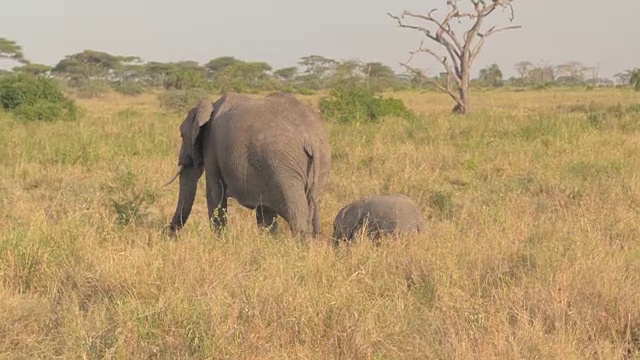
271	154
383	215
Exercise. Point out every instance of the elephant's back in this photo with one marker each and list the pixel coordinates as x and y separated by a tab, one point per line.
398	212
260	147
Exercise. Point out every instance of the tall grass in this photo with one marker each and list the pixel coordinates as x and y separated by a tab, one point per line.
532	206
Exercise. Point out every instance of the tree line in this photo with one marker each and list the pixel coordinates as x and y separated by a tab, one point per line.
93	72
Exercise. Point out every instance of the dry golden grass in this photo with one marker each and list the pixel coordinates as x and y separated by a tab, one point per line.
532	248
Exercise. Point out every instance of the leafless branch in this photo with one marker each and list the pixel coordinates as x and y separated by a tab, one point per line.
443	60
513	15
496	29
424	30
493	30
446	90
443	28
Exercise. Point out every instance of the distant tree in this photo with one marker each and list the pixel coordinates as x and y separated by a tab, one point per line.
634	78
316	70
87	65
523	68
571	73
491	76
286	74
218	64
462	50
347	71
33	69
379	76
513	81
11	50
255	73
131	69
242	76
379	70
156	73
623	77
185	75
316	64
541	74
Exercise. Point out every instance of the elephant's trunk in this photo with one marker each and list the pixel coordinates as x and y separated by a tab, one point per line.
188	184
180	167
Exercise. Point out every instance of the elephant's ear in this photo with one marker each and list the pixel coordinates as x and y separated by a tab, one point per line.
199	118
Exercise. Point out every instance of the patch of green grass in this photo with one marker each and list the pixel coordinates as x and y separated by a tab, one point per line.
585	170
128	114
442	203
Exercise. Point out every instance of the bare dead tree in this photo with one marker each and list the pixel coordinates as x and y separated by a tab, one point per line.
462	51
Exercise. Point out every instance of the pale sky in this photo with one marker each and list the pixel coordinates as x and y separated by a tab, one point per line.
281	31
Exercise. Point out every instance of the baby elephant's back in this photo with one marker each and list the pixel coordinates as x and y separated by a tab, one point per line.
393	213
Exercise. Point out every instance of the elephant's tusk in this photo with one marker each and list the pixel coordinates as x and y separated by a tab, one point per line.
180	167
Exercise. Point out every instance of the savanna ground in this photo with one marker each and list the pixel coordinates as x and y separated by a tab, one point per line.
532	247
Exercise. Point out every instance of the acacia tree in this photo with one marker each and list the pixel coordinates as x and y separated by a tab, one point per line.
523	68
462	50
631	77
9	49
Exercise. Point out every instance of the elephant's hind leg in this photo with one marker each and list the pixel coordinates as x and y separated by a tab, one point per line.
216	204
267	218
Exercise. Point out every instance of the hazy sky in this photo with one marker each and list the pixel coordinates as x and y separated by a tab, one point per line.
281	31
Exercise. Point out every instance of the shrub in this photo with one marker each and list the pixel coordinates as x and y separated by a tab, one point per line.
355	103
129	88
34	98
181	100
44	110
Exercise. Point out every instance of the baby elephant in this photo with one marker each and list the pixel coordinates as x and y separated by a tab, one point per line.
383	215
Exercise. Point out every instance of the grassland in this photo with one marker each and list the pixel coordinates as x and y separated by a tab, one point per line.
532	248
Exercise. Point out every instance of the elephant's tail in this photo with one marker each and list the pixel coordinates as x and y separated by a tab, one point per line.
311	184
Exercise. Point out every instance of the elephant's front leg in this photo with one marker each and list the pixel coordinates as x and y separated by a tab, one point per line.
267	218
217	204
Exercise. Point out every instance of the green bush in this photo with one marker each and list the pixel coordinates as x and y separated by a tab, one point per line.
129	88
181	100
34	98
355	103
43	110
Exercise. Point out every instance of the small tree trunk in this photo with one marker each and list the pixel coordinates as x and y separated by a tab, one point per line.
462	105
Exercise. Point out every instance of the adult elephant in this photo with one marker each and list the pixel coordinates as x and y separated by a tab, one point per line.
271	154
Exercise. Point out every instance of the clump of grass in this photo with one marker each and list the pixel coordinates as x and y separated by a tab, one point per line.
442	203
129	202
